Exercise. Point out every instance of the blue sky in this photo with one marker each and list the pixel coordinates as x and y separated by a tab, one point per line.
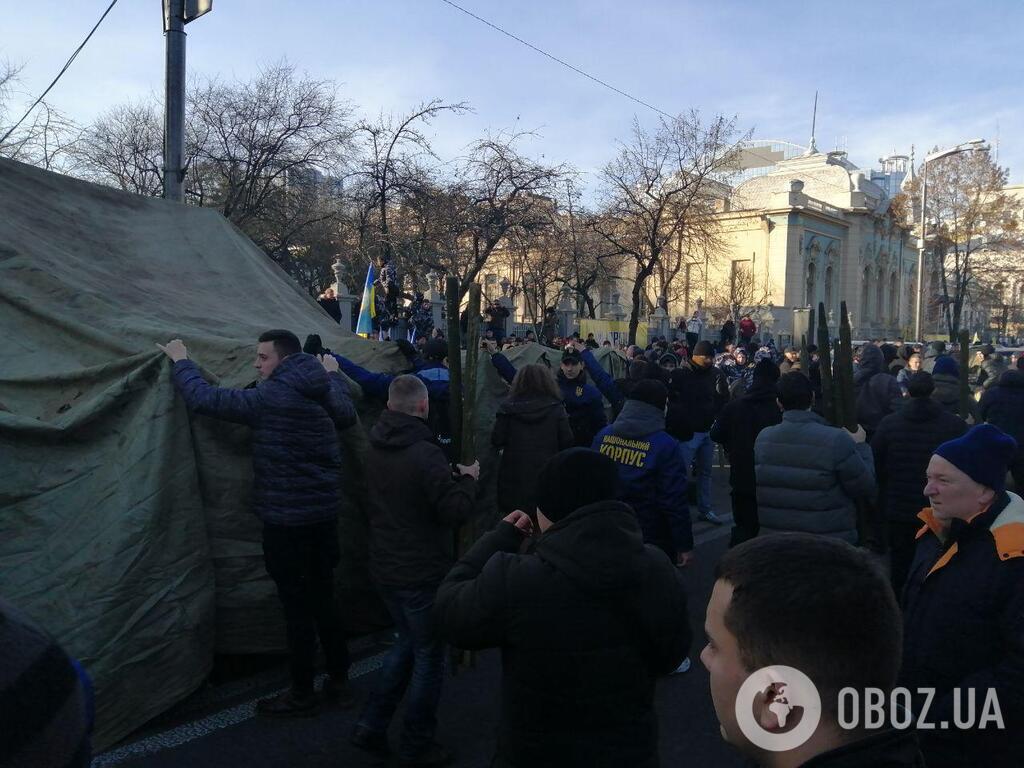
890	74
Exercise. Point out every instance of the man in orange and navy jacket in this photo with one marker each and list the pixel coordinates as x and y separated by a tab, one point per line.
963	607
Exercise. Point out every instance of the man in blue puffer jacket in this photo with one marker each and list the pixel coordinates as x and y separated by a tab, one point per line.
652	470
294	413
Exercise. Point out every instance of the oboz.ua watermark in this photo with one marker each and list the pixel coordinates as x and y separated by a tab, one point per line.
778	708
871	708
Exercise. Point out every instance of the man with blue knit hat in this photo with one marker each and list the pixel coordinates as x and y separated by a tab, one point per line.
963	606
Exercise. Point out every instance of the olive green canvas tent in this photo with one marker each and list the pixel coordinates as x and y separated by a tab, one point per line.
125	528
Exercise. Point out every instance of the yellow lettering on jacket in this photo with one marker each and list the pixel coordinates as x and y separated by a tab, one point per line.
631	453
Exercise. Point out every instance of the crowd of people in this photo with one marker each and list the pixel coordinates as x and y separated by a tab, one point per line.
891	555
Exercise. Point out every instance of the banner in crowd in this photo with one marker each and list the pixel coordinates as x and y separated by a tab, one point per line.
617	332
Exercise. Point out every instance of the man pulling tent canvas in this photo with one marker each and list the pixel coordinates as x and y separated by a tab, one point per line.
293	413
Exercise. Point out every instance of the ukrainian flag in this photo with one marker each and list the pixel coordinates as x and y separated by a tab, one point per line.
368	310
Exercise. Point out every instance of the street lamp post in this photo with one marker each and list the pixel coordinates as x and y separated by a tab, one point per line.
968	146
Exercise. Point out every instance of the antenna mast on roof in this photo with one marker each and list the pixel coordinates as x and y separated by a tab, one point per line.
813	148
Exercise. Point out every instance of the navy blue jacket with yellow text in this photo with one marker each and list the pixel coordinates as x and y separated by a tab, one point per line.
652	475
296	456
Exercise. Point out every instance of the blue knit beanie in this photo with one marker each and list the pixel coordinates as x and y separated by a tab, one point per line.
983	454
947	365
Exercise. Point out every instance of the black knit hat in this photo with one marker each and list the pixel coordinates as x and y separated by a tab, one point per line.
767	371
571	356
575	478
650	391
436	349
703	349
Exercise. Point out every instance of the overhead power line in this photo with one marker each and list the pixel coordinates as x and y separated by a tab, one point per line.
565	64
64	69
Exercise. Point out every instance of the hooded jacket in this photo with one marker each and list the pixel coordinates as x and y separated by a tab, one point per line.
586	623
902	446
947	392
294	415
529	432
809	476
652	475
738	426
411	521
702	391
1003	405
963	628
583	401
878	393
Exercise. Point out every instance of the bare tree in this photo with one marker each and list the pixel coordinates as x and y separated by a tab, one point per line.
662	187
976	229
44	138
124	148
495	191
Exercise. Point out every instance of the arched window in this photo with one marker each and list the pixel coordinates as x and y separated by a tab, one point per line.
865	296
828	288
810	288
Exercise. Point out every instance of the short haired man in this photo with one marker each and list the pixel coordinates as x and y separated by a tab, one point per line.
809	474
586	622
294	412
824	608
963	604
791	361
411	520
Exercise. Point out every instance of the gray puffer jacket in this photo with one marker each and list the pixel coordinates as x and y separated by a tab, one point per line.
809	476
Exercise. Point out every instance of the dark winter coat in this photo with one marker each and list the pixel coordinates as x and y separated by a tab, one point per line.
991	368
738	426
809	477
878	394
434	375
652	475
414	503
1003	405
902	446
529	432
583	401
947	392
963	608
703	392
294	415
586	624
728	333
890	748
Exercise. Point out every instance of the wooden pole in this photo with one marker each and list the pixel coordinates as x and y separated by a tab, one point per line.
966	404
828	408
451	297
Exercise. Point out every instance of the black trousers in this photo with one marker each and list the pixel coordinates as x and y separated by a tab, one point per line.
744	518
301	561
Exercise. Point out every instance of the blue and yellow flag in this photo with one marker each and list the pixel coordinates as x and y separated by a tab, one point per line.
368	310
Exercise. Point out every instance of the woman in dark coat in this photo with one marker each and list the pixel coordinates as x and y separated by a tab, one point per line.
531	427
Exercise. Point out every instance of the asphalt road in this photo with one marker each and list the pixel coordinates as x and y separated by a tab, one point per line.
218	727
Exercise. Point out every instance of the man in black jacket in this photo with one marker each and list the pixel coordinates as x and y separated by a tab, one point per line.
902	447
736	429
819	607
705	391
415	503
963	607
586	623
1003	406
294	413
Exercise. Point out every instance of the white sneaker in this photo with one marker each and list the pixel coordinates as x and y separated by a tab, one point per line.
684	667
